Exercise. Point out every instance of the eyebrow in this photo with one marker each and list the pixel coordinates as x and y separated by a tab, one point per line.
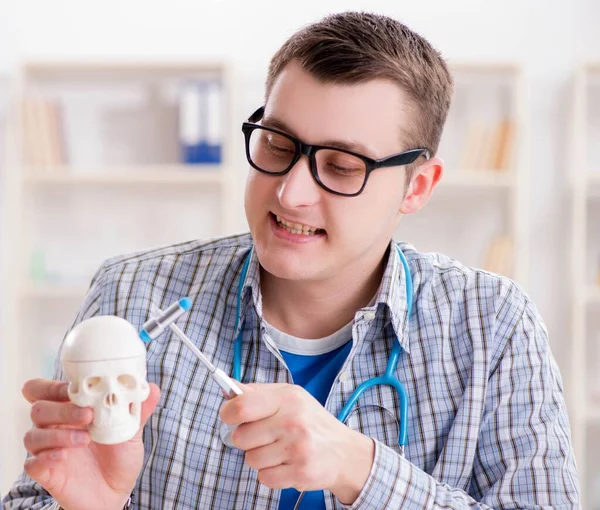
276	123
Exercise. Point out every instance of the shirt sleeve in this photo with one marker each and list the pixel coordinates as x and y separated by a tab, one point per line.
524	455
26	494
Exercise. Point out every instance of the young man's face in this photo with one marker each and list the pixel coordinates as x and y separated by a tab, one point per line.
353	231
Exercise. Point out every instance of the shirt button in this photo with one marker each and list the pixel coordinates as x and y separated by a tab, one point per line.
344	377
369	316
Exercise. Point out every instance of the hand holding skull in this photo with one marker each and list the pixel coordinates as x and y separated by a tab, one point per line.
106	365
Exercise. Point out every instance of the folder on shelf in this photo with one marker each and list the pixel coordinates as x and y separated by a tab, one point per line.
200	121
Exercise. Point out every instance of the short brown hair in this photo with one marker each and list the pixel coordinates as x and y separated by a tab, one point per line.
357	47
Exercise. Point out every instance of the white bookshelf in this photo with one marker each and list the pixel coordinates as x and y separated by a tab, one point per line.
476	202
583	383
148	175
121	188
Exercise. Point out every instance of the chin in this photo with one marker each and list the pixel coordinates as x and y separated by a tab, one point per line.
282	265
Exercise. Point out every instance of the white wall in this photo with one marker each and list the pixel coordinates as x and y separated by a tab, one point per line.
549	37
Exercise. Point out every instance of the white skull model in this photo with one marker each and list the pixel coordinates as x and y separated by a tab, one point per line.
104	360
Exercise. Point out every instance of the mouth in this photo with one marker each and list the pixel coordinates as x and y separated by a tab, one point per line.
296	228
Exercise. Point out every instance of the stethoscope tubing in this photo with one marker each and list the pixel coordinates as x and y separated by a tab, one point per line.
388	379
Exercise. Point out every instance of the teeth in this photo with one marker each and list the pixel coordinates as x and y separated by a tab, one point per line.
296	228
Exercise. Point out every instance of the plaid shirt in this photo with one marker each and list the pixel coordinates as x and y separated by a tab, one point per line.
487	425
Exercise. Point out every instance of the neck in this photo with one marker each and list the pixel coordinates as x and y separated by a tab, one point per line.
316	309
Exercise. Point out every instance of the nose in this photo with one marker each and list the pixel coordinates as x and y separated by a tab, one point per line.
111	400
298	187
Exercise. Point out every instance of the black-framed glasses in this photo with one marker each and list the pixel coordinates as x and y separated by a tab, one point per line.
338	171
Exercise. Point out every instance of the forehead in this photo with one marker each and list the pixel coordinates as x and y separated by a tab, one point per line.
372	114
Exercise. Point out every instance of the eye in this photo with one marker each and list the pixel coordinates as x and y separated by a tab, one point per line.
277	149
128	381
344	169
278	144
93	383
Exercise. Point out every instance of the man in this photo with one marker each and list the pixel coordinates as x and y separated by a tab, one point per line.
344	147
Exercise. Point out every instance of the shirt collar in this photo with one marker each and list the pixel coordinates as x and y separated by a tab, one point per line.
251	288
391	295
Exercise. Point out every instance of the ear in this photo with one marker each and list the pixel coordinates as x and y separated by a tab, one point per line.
422	185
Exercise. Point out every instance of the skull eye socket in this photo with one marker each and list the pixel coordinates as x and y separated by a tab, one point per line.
93	383
127	381
74	387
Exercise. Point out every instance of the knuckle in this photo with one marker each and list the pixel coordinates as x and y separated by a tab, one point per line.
299	452
295	426
36	410
251	460
29	440
236	439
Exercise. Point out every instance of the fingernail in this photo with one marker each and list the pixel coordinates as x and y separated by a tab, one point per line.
77	413
79	437
63	391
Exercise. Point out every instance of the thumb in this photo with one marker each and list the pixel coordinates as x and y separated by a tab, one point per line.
148	407
246	388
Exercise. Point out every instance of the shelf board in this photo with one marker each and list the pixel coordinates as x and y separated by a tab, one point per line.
118	68
53	291
153	174
484	66
477	179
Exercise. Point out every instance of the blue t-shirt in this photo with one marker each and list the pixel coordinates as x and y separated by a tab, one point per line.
315	373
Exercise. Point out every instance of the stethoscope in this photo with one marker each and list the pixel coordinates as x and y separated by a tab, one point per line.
387	379
155	326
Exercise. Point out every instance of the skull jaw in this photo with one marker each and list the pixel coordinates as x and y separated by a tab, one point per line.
114	434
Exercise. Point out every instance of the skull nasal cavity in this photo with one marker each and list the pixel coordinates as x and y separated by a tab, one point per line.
111	400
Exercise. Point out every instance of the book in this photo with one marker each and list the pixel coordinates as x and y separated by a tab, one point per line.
43	139
505	150
488	146
499	255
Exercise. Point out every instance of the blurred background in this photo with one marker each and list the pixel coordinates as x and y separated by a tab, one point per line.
120	128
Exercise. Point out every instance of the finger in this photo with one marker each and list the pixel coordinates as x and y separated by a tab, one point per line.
248	436
44	389
148	408
150	403
268	456
251	406
45	413
281	477
38	440
44	467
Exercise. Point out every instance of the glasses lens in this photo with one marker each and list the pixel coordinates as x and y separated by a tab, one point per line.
269	151
340	171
